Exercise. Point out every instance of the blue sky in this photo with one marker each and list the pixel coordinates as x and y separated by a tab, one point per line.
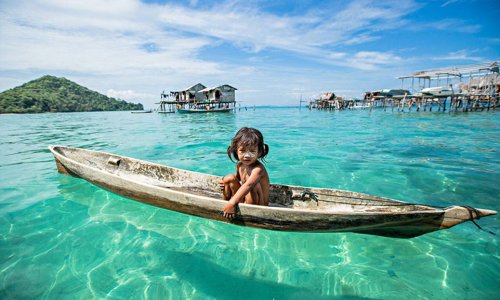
274	52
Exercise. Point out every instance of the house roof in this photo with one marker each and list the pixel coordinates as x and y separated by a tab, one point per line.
232	87
208	89
191	88
456	71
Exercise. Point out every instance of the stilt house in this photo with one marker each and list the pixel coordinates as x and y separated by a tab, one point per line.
190	94
222	93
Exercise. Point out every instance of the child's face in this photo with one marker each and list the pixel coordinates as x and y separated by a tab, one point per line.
248	155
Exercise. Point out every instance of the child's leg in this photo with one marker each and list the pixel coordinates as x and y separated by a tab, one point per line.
256	195
231	186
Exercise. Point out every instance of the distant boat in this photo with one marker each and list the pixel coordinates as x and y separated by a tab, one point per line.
357	106
394	92
291	208
437	91
385	93
204	110
142	112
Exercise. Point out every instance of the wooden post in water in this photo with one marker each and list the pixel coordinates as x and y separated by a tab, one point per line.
410	103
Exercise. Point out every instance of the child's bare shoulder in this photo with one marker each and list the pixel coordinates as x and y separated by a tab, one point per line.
259	167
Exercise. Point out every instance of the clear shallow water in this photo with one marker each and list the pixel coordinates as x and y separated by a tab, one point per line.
61	237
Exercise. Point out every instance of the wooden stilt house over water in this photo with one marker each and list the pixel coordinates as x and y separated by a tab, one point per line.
223	93
166	105
330	101
463	88
199	98
327	100
170	102
190	94
467	88
480	85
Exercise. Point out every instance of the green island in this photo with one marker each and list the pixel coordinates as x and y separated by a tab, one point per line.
58	94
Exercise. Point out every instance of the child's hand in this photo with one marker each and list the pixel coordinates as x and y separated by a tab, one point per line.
229	211
221	185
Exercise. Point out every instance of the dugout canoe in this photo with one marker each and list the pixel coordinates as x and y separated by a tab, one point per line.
292	208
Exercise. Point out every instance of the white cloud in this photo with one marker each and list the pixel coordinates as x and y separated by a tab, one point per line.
128	95
97	41
448	3
452	25
309	34
462	55
369	60
361	39
130	38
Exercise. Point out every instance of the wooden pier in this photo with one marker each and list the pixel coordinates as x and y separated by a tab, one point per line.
478	89
457	102
454	103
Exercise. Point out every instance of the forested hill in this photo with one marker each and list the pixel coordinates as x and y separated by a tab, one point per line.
54	94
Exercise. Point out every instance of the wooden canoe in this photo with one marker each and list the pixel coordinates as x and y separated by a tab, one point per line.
292	208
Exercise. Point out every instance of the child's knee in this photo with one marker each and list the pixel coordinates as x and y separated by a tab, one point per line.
229	178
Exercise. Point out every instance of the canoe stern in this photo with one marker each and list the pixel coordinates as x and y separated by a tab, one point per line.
60	166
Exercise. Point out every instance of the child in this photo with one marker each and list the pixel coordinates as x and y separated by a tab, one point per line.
250	184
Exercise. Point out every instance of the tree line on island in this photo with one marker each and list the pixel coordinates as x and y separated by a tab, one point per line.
54	94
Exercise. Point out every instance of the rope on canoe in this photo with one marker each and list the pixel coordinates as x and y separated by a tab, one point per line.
311	195
471	210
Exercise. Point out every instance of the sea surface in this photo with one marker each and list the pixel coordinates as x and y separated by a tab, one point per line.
64	238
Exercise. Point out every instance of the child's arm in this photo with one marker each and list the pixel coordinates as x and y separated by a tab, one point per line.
255	176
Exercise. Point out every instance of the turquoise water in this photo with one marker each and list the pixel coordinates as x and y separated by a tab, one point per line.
61	237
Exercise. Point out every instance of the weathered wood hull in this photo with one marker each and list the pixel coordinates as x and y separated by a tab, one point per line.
290	208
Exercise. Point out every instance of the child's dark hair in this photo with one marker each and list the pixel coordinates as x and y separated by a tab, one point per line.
247	136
